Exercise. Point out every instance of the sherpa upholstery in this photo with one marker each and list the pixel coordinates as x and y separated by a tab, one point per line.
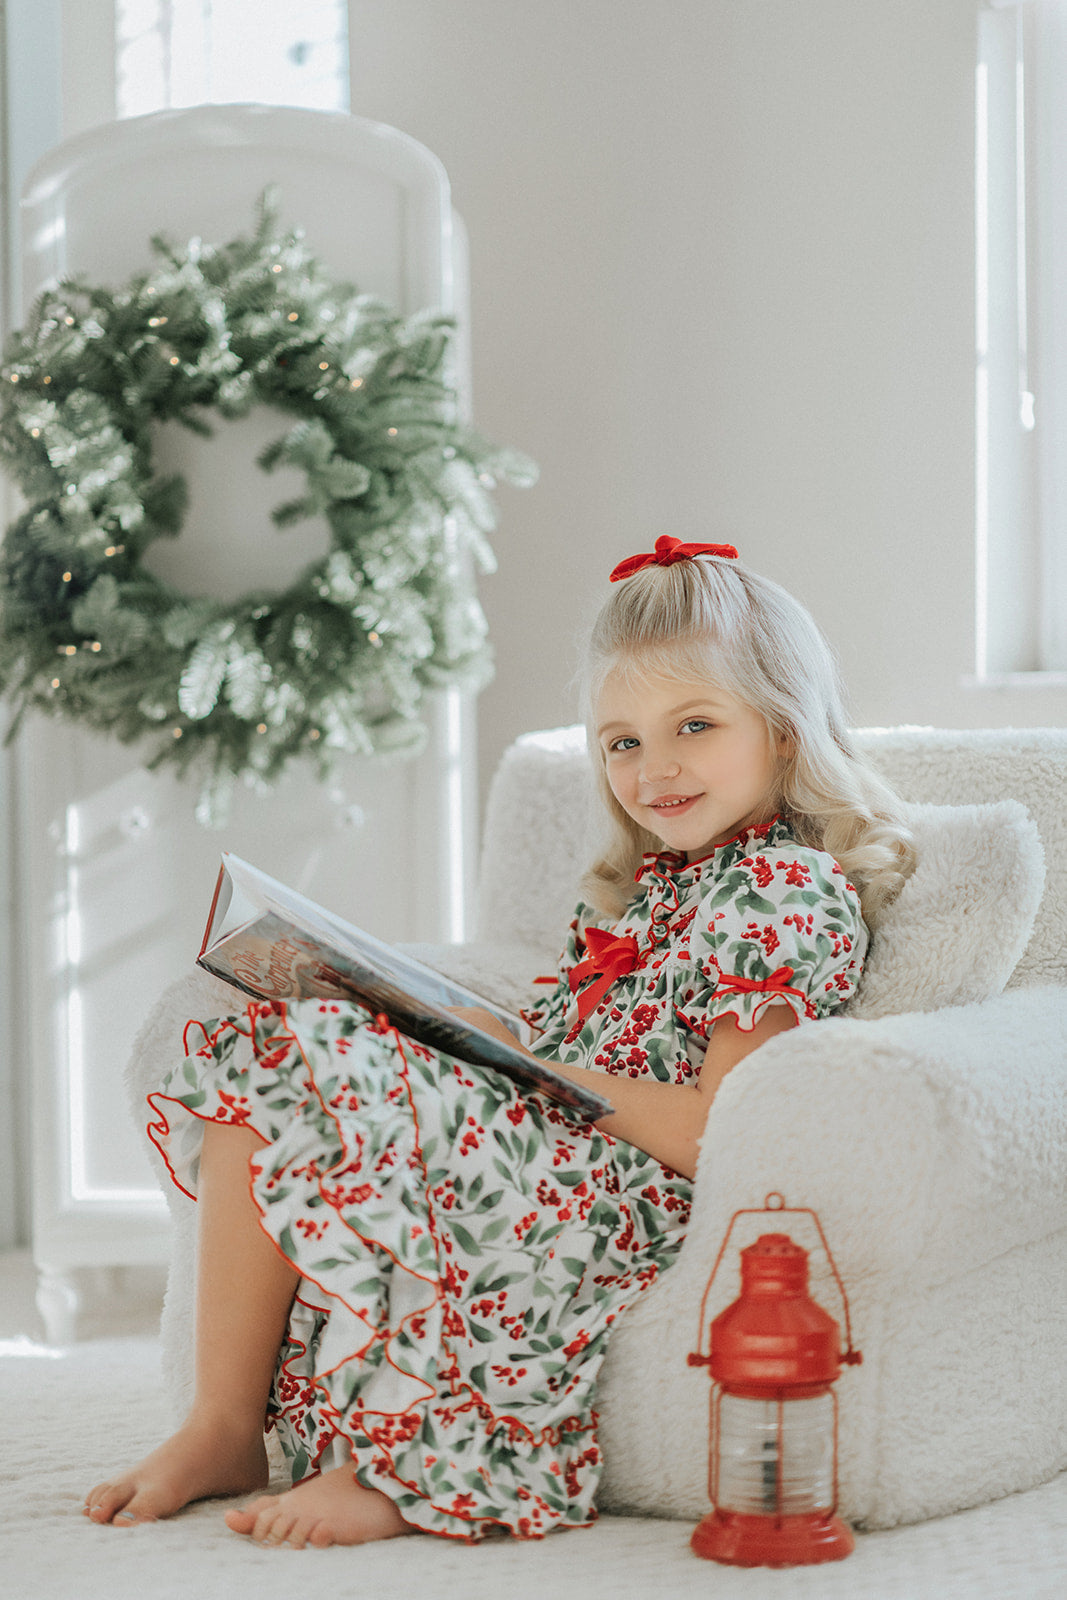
932	1143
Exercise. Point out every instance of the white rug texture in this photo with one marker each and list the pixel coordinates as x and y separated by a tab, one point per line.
70	1417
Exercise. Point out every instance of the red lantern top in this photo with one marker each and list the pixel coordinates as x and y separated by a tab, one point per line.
774	1336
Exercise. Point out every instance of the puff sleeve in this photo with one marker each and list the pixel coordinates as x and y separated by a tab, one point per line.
782	927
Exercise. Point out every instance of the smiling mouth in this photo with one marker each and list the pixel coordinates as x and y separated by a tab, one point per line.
673	802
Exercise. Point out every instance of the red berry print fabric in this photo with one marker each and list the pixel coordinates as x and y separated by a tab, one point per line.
761	921
464	1251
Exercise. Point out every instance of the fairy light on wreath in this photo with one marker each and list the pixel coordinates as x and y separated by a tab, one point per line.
339	662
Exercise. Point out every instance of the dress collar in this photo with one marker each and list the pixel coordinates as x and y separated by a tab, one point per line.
672	863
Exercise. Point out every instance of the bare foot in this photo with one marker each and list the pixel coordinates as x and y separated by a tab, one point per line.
202	1459
330	1509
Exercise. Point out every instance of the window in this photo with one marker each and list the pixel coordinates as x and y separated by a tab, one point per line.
1021	282
189	52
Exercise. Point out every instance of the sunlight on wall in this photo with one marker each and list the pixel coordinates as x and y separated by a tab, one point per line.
105	900
23	1347
193	52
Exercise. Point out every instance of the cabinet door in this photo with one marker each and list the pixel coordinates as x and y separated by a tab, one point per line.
117	873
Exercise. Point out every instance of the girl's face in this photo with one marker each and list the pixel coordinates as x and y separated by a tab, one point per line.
688	761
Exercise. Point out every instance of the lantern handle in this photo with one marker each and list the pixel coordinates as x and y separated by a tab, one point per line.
850	1357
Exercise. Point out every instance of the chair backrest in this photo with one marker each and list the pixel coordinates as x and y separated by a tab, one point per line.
540	821
946	767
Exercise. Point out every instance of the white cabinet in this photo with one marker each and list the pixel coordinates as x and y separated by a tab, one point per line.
116	875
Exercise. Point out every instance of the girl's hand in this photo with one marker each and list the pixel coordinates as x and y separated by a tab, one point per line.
477	1018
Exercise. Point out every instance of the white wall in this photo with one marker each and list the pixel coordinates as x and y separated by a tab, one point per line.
722	262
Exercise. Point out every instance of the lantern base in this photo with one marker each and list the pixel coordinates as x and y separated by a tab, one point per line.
740	1540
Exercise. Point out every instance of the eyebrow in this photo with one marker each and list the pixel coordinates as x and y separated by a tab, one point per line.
705	702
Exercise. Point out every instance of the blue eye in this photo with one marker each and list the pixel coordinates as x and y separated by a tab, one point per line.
696	725
619	745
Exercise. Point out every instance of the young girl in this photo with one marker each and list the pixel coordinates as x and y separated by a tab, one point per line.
410	1268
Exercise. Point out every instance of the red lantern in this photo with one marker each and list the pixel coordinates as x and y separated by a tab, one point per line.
772	1464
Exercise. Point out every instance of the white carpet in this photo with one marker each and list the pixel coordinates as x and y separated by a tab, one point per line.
68	1418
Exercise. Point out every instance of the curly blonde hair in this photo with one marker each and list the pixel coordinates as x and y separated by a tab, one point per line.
714	620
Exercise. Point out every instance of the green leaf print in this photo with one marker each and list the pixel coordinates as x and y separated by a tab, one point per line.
727	887
494	1229
503	1280
756	904
804	897
464	1239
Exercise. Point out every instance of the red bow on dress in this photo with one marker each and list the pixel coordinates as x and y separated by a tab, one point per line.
777	983
667	552
610	956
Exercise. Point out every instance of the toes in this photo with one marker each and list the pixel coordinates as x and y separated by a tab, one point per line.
106	1500
117	1503
137	1509
280	1527
91	1499
259	1520
263	1527
297	1537
298	1531
241	1519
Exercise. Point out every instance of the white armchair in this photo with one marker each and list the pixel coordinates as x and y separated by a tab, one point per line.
932	1142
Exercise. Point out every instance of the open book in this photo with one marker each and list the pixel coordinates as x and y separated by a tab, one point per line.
274	944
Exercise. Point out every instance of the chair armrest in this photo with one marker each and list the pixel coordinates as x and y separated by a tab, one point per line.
928	1143
932	1146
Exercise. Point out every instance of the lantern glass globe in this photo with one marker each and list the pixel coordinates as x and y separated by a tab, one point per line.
776	1464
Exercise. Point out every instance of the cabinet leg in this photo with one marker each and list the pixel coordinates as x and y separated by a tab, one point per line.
59	1301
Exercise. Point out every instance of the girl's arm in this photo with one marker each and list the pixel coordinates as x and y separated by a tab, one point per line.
666	1119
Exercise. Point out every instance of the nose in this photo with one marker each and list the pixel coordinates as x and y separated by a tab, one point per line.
659	765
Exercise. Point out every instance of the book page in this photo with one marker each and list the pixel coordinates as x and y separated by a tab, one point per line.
300	952
250	889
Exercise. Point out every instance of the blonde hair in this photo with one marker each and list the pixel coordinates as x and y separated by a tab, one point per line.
714	620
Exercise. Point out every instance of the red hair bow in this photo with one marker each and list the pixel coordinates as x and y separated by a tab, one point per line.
667	552
611	956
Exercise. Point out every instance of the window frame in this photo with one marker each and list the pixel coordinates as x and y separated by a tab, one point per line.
1021	346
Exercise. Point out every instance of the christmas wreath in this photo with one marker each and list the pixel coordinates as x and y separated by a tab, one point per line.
339	662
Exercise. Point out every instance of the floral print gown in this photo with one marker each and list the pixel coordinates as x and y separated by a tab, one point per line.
464	1247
